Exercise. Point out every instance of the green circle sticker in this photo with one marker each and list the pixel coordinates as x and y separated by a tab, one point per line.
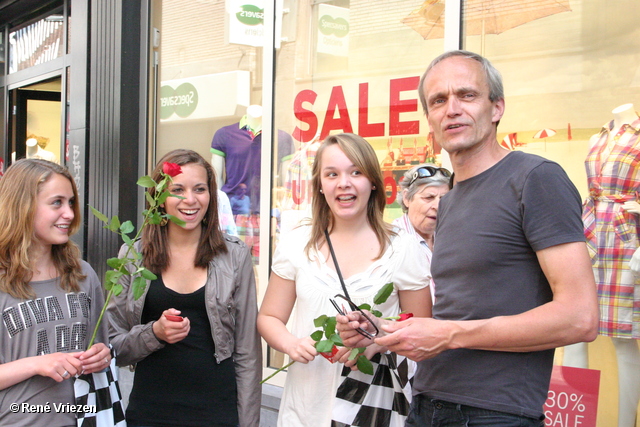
338	26
250	15
182	101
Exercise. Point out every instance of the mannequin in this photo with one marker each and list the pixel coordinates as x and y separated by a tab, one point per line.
236	152
253	122
612	227
236	155
35	151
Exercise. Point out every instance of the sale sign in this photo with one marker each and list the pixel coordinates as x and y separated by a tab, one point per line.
572	400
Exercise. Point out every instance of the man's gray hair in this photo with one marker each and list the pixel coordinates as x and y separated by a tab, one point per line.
494	79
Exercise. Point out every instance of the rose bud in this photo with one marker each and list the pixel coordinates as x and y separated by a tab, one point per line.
171	169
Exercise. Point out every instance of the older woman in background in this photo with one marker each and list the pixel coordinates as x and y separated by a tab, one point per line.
421	190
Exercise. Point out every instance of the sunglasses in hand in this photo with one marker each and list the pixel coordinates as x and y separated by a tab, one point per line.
354	307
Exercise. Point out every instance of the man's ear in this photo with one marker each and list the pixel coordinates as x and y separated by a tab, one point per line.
498	110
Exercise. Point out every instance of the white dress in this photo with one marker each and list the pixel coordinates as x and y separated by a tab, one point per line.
310	388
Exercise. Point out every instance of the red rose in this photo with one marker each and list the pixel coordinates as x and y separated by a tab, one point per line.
405	316
329	355
171	169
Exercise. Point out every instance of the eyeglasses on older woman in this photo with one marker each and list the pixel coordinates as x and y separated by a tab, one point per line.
428	172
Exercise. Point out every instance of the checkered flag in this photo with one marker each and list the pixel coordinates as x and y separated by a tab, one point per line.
378	400
100	390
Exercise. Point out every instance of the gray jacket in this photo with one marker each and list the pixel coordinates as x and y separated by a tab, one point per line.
230	292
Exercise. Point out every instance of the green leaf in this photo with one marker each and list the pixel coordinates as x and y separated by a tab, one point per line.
161	185
176	220
155	218
150	200
126	227
319	321
114	225
376	313
364	306
139	285
354	353
126	239
112	276
117	289
316	336
330	326
147	274
115	263
146	182
163	197
324	346
102	217
364	365
383	294
337	340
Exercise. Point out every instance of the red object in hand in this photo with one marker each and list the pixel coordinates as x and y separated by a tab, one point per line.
171	169
405	316
173	318
329	355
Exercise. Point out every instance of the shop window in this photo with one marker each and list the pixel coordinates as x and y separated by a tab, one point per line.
354	67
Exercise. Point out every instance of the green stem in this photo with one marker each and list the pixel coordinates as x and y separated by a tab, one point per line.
104	308
279	370
106	302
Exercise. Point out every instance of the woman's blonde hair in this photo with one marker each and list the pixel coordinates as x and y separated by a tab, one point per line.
360	152
19	190
155	245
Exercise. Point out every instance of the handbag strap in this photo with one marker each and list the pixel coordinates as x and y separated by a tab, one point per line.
335	263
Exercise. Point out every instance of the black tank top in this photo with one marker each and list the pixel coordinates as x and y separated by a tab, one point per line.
181	384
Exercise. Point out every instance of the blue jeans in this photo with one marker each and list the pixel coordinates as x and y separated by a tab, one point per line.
427	412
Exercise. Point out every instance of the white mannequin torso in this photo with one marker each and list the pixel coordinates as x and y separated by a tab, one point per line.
622	115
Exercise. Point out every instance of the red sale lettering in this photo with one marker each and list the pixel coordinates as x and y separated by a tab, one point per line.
398	106
391	189
572	400
298	191
305	116
366	129
337	118
342	122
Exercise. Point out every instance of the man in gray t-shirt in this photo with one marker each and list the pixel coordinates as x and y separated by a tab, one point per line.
513	275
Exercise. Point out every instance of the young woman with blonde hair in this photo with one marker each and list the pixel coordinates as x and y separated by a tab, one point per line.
347	206
49	298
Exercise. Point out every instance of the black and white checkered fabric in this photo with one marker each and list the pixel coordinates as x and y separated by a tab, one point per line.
100	390
378	400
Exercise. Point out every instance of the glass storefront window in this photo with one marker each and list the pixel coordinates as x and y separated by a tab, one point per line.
570	69
36	43
566	66
354	66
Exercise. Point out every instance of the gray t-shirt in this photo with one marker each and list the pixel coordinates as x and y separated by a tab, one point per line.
53	321
484	265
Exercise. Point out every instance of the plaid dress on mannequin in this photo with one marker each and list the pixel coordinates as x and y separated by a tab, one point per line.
613	173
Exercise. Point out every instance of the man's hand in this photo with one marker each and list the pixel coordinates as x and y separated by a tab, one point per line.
417	338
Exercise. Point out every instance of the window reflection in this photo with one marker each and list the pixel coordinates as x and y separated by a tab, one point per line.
36	43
